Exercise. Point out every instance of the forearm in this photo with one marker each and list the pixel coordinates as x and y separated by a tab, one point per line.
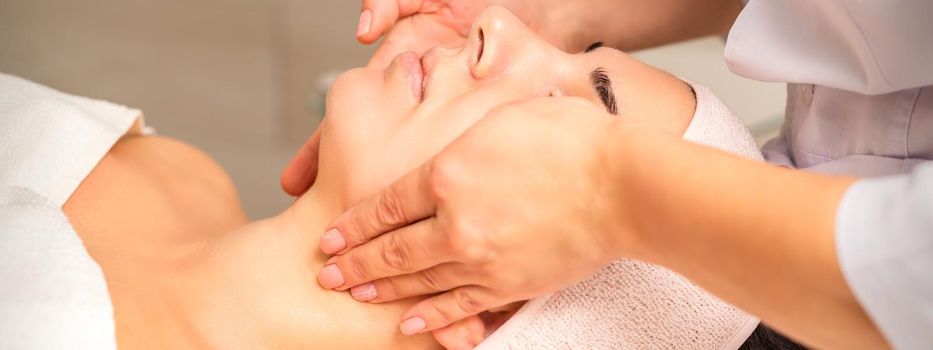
758	236
637	24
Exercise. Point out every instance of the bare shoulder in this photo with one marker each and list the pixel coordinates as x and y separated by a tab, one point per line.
151	195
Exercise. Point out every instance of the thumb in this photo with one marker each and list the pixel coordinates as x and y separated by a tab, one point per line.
465	334
379	16
301	171
442	310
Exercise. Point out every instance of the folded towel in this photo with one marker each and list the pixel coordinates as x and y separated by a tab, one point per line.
54	295
50	141
634	305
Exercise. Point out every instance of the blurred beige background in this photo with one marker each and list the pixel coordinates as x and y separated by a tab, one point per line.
240	79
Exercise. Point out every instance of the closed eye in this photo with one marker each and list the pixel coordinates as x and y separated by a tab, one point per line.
593	46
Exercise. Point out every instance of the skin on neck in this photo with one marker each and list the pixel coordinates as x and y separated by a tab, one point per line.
225	291
193	280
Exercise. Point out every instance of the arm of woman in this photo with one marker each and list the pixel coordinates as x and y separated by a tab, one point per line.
758	236
570	25
639	24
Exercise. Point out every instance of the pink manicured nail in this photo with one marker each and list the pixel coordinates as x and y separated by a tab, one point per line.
366	22
412	325
330	277
332	241
364	292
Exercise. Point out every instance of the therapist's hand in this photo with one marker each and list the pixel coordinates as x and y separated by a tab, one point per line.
301	171
419	25
518	206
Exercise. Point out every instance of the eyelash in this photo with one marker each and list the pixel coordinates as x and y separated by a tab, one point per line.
604	90
593	46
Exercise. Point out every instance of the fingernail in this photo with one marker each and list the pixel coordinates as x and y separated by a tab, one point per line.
364	292
412	325
330	277
332	241
366	21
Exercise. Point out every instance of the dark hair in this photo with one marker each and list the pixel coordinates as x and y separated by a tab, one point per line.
766	338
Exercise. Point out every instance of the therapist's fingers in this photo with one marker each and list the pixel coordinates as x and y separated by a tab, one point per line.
403	251
440	311
379	16
434	280
408	200
301	171
464	334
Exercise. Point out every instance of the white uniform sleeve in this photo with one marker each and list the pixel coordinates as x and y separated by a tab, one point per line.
884	239
869	47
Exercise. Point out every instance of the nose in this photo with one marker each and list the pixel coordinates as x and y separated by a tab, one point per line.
499	40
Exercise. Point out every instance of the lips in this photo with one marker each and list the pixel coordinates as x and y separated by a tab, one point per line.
410	63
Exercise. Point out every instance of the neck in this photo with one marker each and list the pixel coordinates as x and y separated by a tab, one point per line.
309	215
216	297
256	285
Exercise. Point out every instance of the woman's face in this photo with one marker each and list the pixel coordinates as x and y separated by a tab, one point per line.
382	123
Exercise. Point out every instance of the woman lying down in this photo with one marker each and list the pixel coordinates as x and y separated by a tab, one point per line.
178	265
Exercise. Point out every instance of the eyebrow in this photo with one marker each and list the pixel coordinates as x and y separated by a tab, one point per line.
603	87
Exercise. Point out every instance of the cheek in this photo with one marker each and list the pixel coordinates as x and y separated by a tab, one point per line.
443	123
422	135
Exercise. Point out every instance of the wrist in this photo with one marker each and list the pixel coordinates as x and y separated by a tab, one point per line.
565	24
630	161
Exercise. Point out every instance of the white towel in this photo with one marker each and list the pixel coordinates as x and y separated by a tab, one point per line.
50	141
634	305
52	294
